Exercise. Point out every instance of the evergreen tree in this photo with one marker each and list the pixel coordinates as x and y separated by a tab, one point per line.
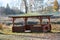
8	7
8	11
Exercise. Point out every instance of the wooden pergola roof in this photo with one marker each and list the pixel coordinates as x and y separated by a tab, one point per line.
29	15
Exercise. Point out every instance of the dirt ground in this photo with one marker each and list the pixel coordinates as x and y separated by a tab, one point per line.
31	36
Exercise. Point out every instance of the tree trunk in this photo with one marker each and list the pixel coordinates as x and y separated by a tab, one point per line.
26	8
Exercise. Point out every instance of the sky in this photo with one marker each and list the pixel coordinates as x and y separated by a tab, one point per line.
15	3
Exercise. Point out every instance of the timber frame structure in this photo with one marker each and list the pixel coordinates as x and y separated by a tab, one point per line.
33	28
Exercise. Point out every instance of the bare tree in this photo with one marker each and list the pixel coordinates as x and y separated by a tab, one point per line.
26	8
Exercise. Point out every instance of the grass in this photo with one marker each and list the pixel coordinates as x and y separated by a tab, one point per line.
4	39
7	31
55	28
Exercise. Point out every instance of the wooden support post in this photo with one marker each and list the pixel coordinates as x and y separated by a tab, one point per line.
40	20
25	22
13	21
49	19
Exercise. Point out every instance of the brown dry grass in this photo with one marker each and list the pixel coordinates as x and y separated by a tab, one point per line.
55	27
5	29
1	26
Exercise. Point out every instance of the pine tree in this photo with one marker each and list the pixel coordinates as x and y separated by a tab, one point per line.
7	6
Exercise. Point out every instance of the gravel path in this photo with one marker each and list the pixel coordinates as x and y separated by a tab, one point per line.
45	36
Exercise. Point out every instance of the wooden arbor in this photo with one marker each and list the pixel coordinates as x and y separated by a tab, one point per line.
33	28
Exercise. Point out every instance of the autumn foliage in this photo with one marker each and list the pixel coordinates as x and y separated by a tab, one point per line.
56	6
